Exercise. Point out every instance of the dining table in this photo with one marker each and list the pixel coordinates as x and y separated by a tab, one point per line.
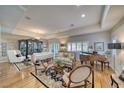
92	58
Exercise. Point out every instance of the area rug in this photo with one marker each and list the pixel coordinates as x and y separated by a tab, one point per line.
47	81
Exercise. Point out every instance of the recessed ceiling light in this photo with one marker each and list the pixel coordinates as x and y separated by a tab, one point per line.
83	15
71	25
28	18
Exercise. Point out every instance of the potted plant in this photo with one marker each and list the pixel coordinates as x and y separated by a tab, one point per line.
58	62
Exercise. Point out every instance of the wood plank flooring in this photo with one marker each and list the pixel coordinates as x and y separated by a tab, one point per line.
10	77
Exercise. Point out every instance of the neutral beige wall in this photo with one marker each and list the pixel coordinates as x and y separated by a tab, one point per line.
0	40
91	38
118	34
12	43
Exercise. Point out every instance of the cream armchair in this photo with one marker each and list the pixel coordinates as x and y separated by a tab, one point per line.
67	58
15	56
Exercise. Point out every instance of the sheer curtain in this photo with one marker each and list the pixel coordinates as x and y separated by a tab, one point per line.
54	48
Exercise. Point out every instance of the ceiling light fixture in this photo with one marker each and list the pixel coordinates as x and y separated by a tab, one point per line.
83	15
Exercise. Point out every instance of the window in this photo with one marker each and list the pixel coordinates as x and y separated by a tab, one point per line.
85	46
69	46
73	47
78	46
54	47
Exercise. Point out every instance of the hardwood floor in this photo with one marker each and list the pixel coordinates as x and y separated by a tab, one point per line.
10	77
102	79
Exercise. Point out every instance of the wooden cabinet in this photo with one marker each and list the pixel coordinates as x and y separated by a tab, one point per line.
29	46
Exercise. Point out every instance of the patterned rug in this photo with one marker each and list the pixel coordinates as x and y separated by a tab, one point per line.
47	81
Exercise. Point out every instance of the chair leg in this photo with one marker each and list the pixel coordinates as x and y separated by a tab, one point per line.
102	65
85	84
92	64
111	81
108	65
36	71
64	84
82	62
96	64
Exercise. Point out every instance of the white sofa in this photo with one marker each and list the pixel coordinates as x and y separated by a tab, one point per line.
67	58
41	56
15	56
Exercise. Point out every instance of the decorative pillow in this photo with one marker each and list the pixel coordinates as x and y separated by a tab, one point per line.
65	55
61	54
18	55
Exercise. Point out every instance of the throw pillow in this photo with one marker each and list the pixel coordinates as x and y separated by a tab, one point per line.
18	55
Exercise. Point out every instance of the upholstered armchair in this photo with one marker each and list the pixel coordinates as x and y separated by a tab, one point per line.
15	56
67	58
81	76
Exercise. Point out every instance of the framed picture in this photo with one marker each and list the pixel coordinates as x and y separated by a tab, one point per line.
99	46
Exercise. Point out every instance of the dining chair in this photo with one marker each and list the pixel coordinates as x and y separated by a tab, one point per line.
102	59
39	66
84	59
82	76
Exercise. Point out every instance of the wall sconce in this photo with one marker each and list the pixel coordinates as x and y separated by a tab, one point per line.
63	47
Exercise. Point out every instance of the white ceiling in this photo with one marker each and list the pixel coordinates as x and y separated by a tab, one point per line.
55	21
